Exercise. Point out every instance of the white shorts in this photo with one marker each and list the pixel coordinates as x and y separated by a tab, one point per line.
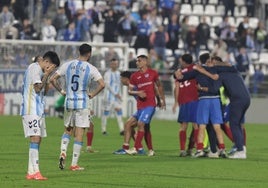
34	125
77	118
111	105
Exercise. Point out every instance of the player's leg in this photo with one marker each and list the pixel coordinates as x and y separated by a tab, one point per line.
148	139
66	137
81	123
90	134
129	128
104	117
34	128
145	117
119	119
182	138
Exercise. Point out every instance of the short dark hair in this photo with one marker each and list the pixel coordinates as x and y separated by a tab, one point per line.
187	58
126	74
204	57
217	58
84	49
113	59
53	57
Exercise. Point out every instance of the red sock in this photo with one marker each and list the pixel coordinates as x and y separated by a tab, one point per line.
148	139
228	132
244	135
89	138
192	142
195	135
125	146
138	144
221	146
200	146
182	139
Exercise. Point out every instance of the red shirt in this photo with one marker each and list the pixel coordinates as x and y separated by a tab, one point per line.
145	82
188	89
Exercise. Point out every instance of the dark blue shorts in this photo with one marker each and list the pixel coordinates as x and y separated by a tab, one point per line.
187	112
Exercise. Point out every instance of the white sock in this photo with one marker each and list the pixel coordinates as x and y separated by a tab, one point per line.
76	152
33	158
65	140
120	122
103	123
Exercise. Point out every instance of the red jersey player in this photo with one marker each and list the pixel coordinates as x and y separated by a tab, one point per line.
186	96
142	84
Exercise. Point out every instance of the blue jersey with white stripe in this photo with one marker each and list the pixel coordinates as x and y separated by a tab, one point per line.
32	103
78	76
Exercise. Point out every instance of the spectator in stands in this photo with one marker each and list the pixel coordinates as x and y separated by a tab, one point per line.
143	33
127	28
45	6
251	7
22	59
243	26
48	31
19	8
154	19
173	30
121	6
260	35
231	41
83	24
258	78
71	33
247	41
229	6
184	31
132	61
203	30
109	55
60	23
224	28
192	40
6	24
166	7
97	58
158	40
93	17
242	62
220	49
110	27
28	31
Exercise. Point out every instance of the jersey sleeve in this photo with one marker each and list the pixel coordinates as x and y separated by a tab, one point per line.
61	71
35	74
96	75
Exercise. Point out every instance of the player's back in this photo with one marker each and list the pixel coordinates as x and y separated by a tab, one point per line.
77	78
113	85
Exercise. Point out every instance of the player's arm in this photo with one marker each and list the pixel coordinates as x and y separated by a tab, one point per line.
185	76
133	92
205	72
161	93
54	81
176	95
158	100
100	87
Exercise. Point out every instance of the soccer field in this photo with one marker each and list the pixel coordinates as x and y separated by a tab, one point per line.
104	169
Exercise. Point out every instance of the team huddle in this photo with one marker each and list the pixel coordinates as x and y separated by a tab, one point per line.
197	92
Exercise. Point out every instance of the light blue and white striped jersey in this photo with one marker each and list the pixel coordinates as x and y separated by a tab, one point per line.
32	103
112	85
78	75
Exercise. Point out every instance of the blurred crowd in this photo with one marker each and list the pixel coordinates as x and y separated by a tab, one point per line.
157	27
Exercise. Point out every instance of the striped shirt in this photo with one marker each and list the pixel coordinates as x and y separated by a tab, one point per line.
32	103
113	85
78	76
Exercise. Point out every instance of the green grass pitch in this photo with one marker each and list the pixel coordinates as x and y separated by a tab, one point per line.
105	170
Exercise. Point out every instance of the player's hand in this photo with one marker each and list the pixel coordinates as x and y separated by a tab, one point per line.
62	92
118	96
90	95
215	76
49	69
142	94
174	108
199	68
178	74
163	105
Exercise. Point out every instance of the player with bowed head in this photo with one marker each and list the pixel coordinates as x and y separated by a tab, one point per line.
78	75
35	87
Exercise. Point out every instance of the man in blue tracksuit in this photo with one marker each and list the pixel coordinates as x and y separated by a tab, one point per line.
239	101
